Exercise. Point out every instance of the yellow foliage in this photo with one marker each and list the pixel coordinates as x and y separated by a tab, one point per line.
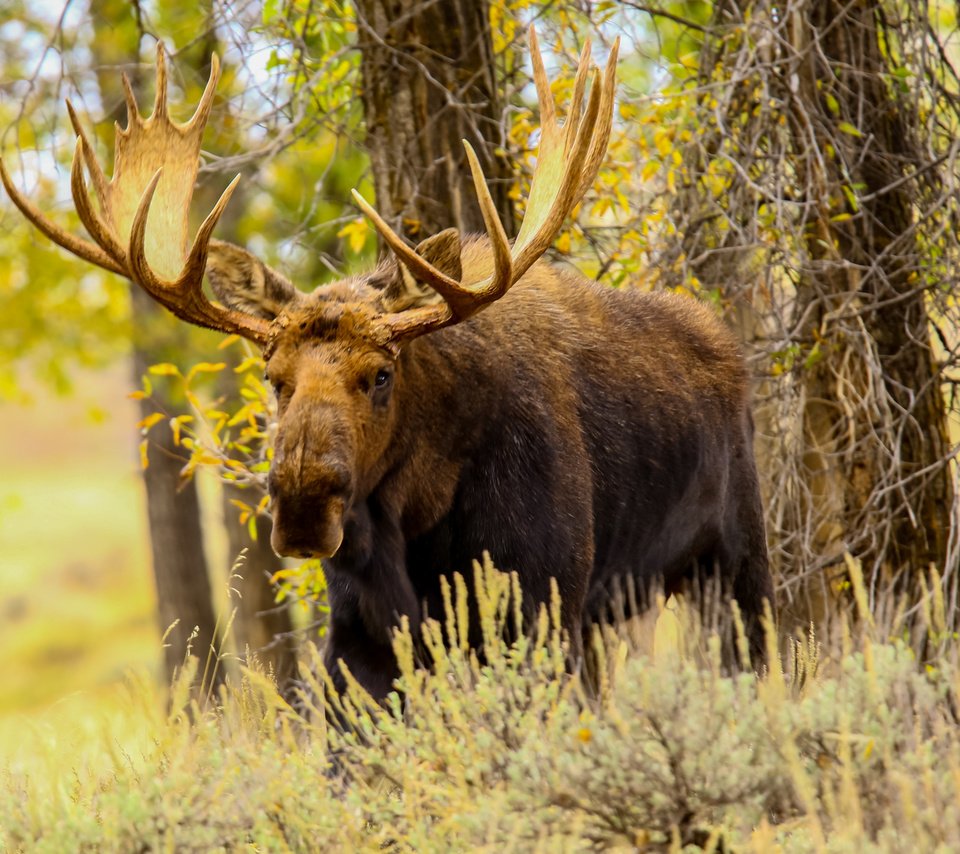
357	231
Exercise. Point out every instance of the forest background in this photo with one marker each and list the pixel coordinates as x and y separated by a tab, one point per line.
795	164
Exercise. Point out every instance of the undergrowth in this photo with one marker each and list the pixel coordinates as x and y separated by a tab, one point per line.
851	745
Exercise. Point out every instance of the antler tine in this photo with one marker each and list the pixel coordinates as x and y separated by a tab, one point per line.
601	138
463	301
133	109
548	110
142	272
527	252
202	113
160	96
459	302
99	230
417	265
77	245
502	260
196	263
89	158
579	86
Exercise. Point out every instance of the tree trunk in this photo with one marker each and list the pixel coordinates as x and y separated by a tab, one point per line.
173	512
173	506
263	627
819	203
869	258
428	82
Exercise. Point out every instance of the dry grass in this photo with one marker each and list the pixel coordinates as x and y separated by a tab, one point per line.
851	746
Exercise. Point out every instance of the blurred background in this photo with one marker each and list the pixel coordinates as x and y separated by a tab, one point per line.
807	187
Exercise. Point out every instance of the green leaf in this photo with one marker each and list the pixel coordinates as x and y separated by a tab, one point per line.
846	127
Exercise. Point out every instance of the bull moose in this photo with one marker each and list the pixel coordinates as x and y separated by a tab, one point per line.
464	396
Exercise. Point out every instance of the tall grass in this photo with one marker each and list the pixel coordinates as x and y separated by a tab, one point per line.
850	744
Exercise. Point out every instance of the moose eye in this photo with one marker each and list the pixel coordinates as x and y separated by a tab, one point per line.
382	379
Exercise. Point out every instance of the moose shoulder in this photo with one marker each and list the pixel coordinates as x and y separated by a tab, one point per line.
461	398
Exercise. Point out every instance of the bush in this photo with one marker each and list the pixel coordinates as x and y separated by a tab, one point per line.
847	749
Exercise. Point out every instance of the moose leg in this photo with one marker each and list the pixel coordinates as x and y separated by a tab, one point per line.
369	591
744	568
370	660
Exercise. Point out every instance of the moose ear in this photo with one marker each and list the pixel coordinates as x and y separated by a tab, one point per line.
406	291
243	282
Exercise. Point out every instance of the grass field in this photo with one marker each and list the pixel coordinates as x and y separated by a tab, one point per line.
76	597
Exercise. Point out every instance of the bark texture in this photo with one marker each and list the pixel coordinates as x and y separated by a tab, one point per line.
820	202
173	511
429	81
867	262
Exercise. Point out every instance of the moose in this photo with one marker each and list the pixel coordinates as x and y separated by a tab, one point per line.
465	396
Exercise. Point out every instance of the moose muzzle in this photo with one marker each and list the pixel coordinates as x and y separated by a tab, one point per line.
311	487
307	526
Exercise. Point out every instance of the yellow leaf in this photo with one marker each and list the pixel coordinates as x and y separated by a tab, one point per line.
249	362
650	168
164	369
663	140
563	243
205	368
230	339
144	460
148	422
176	424
356	233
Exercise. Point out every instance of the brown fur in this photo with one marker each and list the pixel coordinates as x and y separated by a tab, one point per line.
570	430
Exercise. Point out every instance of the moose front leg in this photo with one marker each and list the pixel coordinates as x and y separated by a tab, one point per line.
369	591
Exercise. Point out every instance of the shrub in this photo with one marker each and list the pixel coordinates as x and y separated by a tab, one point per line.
846	749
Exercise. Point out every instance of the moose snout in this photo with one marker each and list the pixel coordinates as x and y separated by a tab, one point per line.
309	526
308	511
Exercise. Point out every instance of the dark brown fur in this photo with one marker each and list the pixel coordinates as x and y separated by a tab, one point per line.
570	430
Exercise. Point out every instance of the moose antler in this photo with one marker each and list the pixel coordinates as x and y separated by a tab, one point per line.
153	157
567	164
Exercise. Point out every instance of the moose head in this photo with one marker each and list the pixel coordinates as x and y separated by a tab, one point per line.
335	356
